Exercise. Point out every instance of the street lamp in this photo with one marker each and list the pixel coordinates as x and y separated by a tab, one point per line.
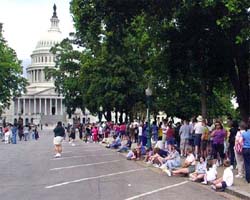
148	93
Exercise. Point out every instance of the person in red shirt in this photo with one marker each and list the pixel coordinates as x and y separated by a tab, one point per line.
170	136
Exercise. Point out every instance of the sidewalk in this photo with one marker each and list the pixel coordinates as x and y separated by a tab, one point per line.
240	187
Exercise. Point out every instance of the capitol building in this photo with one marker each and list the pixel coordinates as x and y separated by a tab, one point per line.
41	104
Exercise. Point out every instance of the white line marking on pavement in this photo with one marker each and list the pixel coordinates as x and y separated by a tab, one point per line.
62	158
98	150
94	177
67	152
158	190
83	165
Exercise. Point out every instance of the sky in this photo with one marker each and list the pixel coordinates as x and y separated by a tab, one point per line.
25	21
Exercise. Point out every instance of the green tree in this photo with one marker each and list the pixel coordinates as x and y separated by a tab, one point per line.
12	84
66	75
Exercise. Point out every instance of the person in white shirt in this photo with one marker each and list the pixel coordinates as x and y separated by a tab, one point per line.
140	129
164	128
198	131
226	180
188	165
211	173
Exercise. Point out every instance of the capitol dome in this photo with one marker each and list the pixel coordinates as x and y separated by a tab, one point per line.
41	56
52	37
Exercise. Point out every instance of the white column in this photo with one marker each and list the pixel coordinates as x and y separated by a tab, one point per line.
42	75
24	110
18	105
29	106
61	107
40	105
34	105
45	106
56	107
50	107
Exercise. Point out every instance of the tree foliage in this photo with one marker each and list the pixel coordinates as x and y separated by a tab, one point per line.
194	54
12	84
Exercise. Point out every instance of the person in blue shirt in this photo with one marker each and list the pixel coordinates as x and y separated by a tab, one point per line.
246	152
127	146
155	131
14	133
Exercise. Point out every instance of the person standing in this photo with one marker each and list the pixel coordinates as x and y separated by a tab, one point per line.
14	133
198	131
59	132
219	135
233	132
164	128
36	134
184	133
238	150
246	153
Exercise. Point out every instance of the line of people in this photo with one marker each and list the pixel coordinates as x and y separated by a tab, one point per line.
9	133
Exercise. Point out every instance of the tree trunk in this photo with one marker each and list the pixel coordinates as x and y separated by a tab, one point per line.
116	116
121	118
238	74
203	99
131	117
109	117
126	117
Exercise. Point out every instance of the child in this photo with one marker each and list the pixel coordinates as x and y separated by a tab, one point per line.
211	173
7	135
133	155
226	180
200	170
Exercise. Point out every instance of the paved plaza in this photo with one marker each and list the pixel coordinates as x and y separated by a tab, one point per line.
86	171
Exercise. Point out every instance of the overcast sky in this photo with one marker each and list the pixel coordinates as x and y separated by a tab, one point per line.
25	21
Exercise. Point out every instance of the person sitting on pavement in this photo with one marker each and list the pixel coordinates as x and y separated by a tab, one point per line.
211	173
133	154
149	153
116	143
127	146
157	157
188	165
200	170
226	180
172	161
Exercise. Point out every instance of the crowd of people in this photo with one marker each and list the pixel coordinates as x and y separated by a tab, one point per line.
10	132
195	148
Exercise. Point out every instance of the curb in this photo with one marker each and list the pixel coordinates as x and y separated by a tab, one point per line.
229	190
238	193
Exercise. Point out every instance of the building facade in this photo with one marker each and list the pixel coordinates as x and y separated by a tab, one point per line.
40	104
